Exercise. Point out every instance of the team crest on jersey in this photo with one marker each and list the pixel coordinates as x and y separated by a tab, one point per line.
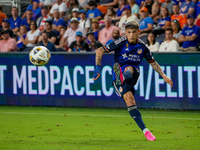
120	89
139	51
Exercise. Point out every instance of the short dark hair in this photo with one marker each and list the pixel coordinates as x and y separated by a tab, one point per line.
45	32
169	29
15	7
92	3
132	25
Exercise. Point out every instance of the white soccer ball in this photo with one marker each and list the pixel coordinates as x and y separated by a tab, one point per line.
39	56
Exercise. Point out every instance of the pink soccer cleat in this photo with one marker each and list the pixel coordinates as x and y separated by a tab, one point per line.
150	136
118	73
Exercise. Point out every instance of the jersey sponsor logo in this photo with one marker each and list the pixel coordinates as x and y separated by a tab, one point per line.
121	39
124	56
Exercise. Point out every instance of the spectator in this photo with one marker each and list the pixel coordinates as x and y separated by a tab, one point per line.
36	10
84	22
126	18
152	45
84	3
95	28
104	4
120	11
15	20
46	43
169	45
190	35
58	22
7	44
32	36
146	23
134	7
28	19
188	7
41	20
176	30
115	35
92	42
169	5
140	3
49	3
70	33
22	33
197	10
79	45
75	14
110	13
2	16
6	26
108	3
61	46
51	33
163	23
61	6
182	18
106	33
153	9
73	4
93	11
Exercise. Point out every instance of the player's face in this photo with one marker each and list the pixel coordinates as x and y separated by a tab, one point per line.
132	35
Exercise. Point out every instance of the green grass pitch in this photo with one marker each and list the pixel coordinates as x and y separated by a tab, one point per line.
55	128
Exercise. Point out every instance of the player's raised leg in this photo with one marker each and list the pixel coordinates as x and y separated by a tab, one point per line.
121	77
136	115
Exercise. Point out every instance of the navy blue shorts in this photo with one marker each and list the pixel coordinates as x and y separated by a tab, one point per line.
127	86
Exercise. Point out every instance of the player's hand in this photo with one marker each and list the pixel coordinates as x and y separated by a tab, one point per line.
168	80
97	72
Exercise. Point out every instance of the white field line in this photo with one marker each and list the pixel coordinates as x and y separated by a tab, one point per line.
95	115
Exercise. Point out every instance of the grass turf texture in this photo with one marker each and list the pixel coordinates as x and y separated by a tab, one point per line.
50	128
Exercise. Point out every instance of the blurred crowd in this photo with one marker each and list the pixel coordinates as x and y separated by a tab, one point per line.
85	25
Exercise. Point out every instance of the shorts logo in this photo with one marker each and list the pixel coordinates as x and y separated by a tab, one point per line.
139	51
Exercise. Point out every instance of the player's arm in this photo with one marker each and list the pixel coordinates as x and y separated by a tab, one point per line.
158	69
98	58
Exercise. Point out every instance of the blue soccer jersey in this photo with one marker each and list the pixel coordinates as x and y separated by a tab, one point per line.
127	54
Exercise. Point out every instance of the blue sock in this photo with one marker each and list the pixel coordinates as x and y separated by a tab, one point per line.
135	114
127	75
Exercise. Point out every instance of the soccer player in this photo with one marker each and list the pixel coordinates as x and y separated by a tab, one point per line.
129	52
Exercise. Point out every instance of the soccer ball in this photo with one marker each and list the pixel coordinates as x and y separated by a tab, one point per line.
39	56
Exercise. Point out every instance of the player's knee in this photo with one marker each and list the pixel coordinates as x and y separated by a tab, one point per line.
129	68
129	99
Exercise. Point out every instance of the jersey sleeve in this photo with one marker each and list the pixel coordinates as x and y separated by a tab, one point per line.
148	56
114	45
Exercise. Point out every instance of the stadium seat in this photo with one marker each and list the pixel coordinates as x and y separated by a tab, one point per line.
160	38
144	38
